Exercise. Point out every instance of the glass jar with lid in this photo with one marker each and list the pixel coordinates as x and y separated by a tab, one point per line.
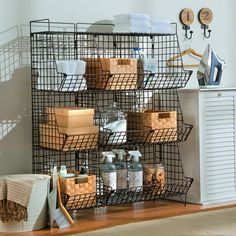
113	121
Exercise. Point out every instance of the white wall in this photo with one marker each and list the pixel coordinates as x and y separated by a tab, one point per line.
223	34
15	147
15	120
223	31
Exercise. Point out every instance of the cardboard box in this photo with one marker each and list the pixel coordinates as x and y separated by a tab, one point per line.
74	117
49	137
50	115
82	130
111	73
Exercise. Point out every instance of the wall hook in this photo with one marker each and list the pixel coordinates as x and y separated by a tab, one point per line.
186	28
205	27
205	17
186	17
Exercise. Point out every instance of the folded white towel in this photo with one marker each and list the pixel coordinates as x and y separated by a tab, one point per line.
72	67
49	79
130	29
134	23
162	29
162	26
119	29
133	16
161	21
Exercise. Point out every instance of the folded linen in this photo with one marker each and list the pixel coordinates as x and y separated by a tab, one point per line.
161	29
161	21
71	67
131	16
133	23
161	26
119	29
47	77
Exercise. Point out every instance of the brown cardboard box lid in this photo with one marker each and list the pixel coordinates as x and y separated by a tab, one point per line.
81	130
73	111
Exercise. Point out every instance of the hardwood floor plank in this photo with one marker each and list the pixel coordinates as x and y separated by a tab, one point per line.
91	219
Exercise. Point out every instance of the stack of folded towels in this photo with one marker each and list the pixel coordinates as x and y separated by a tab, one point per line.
133	22
161	26
141	23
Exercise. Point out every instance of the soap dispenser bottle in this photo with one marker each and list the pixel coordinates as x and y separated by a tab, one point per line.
109	172
122	171
135	170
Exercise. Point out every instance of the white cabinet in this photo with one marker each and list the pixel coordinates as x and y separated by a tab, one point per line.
209	155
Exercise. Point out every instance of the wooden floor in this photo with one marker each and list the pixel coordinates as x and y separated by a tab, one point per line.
92	219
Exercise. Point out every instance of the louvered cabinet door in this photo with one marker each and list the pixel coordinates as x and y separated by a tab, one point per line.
218	145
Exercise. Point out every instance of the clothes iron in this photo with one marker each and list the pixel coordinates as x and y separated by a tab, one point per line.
210	69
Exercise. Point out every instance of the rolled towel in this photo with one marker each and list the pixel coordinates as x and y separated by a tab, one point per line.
131	16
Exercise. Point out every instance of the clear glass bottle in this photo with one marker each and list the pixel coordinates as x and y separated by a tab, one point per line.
109	171
122	171
63	171
160	174
114	120
135	170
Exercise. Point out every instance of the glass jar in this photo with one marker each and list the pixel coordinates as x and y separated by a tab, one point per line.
114	122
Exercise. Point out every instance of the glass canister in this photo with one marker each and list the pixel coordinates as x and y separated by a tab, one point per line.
114	121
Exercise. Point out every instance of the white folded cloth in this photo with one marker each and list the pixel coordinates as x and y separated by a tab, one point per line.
134	23
48	77
161	21
162	26
71	67
131	16
125	29
74	71
162	29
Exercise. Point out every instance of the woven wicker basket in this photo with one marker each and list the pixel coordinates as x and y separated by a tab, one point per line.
152	119
76	188
158	126
111	73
